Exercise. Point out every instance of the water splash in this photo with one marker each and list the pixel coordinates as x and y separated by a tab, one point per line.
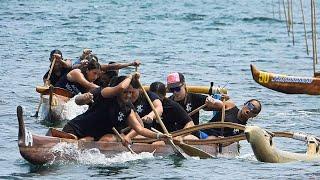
249	156
69	152
70	109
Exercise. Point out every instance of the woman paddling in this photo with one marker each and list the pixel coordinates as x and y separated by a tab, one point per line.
142	105
112	108
61	67
81	80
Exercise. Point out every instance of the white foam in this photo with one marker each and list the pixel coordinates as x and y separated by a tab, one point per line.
70	151
71	110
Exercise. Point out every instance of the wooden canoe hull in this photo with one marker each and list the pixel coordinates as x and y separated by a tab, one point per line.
286	84
41	149
38	149
57	107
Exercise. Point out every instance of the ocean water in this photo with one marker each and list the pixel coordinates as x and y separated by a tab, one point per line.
206	40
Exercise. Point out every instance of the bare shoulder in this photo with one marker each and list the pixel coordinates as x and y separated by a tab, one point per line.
229	104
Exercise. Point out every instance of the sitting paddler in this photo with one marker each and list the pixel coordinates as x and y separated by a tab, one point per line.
112	108
174	117
81	80
143	108
189	101
60	68
83	59
235	115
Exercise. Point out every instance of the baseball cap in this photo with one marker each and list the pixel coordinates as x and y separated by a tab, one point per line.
175	80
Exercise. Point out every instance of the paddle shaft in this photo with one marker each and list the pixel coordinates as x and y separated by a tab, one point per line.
197	110
121	138
51	69
176	150
223	114
153	109
47	79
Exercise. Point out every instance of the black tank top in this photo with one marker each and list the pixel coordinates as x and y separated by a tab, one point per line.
231	115
74	87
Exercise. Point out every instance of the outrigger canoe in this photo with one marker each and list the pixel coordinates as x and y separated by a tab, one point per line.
286	84
38	149
265	151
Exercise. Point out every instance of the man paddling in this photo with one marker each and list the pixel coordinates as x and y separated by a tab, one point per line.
174	116
233	114
189	101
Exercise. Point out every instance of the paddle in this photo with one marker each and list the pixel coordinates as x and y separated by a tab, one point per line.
48	78
223	114
197	110
190	150
174	147
121	138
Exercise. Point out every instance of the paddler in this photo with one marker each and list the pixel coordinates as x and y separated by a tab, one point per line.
61	67
112	108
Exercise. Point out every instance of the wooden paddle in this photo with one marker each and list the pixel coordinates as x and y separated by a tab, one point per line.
190	150
197	110
174	147
223	114
121	138
48	78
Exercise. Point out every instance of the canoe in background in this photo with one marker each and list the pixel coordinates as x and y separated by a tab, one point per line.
286	84
200	89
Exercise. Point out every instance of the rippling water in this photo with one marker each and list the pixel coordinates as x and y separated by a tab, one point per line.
206	40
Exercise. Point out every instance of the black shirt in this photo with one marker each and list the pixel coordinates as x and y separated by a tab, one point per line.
55	76
231	115
192	102
174	117
142	105
74	87
99	119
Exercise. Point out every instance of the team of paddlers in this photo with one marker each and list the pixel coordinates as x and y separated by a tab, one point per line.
118	101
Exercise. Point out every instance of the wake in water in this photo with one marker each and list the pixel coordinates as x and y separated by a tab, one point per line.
71	109
71	152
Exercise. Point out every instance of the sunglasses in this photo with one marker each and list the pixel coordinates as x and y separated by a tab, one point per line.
175	89
251	107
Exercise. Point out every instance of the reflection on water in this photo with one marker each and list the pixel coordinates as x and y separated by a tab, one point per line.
107	171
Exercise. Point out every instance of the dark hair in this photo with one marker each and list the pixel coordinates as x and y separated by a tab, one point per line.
159	88
92	57
117	80
56	51
92	64
258	108
135	83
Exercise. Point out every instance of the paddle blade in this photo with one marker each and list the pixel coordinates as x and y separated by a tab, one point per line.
194	151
